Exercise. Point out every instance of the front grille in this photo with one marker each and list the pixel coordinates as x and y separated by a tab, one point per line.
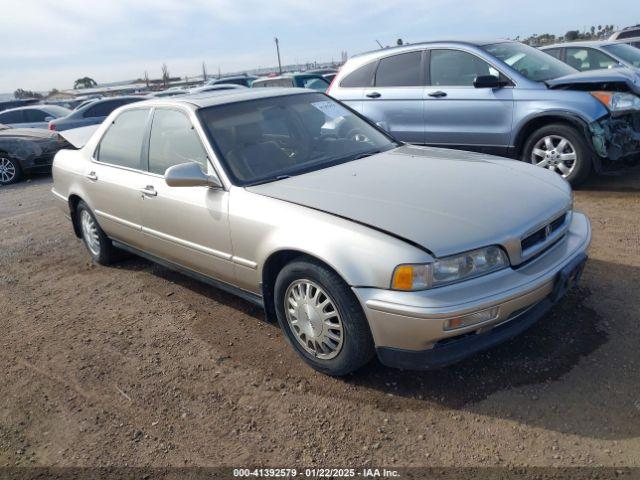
540	236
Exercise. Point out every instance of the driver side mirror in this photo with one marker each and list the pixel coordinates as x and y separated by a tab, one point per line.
489	81
190	175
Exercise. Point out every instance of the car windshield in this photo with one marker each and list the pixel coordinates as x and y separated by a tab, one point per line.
272	138
629	54
528	61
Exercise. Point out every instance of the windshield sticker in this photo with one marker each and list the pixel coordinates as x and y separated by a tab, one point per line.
331	109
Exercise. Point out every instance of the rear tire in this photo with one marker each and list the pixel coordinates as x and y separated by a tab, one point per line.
326	326
560	148
98	244
10	171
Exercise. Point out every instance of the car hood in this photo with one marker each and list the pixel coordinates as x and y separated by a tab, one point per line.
599	79
445	201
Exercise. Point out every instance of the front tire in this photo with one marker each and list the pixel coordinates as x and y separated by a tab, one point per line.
562	149
321	318
98	244
10	171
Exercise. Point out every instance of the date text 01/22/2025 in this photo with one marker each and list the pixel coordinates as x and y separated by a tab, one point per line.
315	473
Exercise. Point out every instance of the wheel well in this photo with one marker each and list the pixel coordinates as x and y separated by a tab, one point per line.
272	267
73	208
538	122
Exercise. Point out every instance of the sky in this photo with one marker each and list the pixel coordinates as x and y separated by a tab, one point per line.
49	43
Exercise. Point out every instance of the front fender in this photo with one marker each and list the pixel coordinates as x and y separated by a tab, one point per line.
262	226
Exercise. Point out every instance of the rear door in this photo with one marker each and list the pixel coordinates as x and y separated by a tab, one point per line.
113	178
188	226
395	101
350	89
459	115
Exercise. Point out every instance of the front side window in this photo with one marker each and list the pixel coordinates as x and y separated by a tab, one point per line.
267	139
457	68
34	115
584	59
399	70
530	62
629	54
361	77
122	144
173	141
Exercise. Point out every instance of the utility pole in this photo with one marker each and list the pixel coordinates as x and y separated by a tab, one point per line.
204	72
278	50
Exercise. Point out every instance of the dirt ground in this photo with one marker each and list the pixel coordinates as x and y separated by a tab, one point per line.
137	365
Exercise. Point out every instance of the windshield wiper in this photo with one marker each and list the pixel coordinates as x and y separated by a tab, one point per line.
366	154
269	180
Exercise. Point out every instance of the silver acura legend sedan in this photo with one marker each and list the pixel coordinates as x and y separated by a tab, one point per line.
357	244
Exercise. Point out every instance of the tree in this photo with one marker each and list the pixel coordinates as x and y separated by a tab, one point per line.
571	35
84	82
165	75
20	93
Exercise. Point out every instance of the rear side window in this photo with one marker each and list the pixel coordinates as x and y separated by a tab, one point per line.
122	144
362	77
174	141
11	117
554	52
399	70
104	108
457	68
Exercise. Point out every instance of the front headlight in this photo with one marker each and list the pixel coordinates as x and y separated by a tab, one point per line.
618	101
447	270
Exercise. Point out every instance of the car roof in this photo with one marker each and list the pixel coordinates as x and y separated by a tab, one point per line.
222	97
585	43
463	42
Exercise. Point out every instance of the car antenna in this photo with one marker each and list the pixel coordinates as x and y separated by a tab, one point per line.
381	47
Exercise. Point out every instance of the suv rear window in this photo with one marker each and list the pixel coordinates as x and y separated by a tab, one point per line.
362	77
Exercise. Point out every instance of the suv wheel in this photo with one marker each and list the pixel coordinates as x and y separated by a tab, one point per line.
322	319
10	171
99	245
562	149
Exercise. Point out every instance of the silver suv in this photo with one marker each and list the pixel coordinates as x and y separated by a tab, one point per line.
498	97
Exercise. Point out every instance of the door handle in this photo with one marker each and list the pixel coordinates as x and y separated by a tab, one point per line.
92	176
149	191
438	94
374	95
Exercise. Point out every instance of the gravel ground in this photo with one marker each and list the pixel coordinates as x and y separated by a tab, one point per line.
137	365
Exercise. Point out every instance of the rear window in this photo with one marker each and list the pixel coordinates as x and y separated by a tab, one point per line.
362	77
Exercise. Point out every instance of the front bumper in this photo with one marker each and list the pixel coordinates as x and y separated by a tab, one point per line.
408	328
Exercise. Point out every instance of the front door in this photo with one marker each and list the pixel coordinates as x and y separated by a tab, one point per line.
459	115
188	226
